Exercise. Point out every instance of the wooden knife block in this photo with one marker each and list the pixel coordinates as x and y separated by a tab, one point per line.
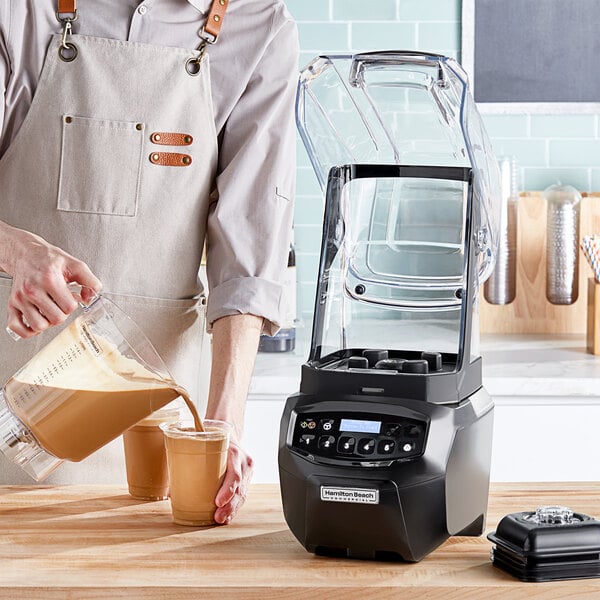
530	311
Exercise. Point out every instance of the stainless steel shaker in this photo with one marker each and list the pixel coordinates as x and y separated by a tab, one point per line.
562	238
500	288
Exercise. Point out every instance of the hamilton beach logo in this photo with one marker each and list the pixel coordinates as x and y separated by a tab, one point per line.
90	340
354	495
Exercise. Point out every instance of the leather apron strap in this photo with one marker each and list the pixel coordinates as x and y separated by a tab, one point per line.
214	21
66	7
210	31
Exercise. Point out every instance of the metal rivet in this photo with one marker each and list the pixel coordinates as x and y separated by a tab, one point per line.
155	157
156	137
217	18
68	119
222	2
186	160
139	127
187	139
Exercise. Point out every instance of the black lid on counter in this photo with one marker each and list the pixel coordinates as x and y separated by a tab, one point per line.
548	544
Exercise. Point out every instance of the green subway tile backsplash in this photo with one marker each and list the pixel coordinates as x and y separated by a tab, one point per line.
507	126
540	179
383	36
307	184
563	126
308	264
308	10
429	10
308	210
574	153
323	37
532	153
359	10
307	238
438	37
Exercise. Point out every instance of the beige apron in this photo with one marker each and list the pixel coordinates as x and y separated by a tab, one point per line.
114	164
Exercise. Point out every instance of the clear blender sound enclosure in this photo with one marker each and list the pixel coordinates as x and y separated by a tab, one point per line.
385	451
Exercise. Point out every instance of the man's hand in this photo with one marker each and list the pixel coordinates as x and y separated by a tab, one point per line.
232	494
40	296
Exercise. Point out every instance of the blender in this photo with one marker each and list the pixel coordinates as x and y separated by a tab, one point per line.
385	450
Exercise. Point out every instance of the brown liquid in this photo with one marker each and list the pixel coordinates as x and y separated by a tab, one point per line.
146	461
77	395
145	454
197	466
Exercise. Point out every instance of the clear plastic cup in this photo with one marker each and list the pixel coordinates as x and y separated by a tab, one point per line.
197	461
146	456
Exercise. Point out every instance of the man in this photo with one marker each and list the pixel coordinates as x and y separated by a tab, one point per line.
119	160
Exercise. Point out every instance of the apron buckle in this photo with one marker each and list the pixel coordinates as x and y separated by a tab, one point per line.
67	51
192	65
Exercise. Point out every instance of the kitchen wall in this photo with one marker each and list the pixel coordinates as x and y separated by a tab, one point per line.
548	147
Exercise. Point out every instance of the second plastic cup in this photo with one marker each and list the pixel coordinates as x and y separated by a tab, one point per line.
197	461
146	457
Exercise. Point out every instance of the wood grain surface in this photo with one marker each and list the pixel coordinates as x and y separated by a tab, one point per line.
92	542
530	311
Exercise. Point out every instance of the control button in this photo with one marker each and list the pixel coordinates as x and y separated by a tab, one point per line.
142	9
327	424
413	431
366	446
307	440
407	447
326	442
346	445
308	424
392	429
386	446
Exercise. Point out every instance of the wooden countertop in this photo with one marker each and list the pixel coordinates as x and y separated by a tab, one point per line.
95	542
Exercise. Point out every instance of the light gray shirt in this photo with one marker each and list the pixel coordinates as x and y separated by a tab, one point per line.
253	69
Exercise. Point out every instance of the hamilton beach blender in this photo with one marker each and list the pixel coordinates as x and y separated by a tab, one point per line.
385	451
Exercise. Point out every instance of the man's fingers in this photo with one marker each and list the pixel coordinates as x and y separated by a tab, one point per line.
62	296
33	318
50	310
229	486
232	494
79	272
16	325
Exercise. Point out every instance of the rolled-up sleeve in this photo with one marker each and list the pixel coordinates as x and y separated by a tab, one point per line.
250	217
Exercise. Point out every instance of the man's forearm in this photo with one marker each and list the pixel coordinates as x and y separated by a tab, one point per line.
234	345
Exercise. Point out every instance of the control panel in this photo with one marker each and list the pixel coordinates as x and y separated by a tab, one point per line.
362	437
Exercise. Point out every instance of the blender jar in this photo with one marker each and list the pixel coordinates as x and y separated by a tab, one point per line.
94	380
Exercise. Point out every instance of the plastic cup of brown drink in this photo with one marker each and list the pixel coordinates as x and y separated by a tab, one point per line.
197	461
146	457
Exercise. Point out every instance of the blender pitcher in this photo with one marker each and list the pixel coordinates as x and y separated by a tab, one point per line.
94	380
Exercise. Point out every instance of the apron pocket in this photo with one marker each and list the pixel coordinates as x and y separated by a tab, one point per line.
100	166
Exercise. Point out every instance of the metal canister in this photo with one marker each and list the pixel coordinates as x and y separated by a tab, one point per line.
562	239
500	288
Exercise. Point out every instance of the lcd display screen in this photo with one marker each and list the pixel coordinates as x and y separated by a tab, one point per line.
358	426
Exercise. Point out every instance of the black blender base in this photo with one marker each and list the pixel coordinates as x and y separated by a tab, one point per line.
412	478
